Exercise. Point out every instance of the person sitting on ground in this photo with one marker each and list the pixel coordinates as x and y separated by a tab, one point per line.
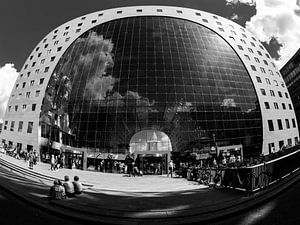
69	187
57	192
77	185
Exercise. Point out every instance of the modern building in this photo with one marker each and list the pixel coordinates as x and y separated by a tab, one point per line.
153	80
291	75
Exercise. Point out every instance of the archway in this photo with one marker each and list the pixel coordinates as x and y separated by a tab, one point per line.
152	150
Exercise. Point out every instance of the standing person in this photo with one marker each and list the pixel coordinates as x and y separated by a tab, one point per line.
77	186
69	187
31	159
171	168
52	162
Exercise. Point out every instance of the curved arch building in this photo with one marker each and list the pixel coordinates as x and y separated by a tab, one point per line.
183	77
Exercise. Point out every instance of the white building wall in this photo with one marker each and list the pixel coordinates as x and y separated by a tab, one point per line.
251	52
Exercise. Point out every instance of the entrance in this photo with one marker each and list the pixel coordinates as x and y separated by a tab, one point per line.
152	150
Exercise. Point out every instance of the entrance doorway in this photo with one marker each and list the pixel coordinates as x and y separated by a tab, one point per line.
152	150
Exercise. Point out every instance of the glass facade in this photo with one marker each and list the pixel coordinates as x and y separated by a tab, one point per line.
151	73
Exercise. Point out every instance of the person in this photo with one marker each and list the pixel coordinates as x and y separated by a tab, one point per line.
69	187
31	158
77	185
171	168
52	162
57	192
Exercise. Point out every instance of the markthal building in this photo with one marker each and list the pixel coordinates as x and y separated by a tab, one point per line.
160	82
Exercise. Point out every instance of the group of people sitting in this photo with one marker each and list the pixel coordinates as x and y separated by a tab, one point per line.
68	189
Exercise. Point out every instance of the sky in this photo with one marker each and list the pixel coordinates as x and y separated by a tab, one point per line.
23	23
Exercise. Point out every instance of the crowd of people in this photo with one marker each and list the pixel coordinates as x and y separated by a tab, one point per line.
67	189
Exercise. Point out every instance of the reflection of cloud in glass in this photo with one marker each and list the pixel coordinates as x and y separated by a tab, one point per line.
228	102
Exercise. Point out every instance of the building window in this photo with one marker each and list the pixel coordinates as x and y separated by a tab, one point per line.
46	69
56	43
24	107
271	126
80	24
20	127
12	125
41	81
258	79
271	148
59	48
46	45
9	108
118	12
83	18
139	10
65	33
5	125
276	105
296	140
289	142
28	74
30	126
276	83
242	40
42	61
32	83
78	30
37	93
67	28
54	37
205	20
247	57
250	50
252	44
279	122
253	68
33	64
233	32
267	55
52	58
279	93
272	93
221	29
294	123
268	81
198	14
287	123
259	53
37	71
286	95
290	106
33	107
283	106
25	67
256	59
262	70
16	108
179	11
100	14
24	84
281	144
267	105
240	47
94	21
271	72
27	94
48	51
44	40
265	62
263	92
17	85
67	39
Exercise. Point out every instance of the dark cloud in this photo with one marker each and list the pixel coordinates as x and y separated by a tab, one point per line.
273	47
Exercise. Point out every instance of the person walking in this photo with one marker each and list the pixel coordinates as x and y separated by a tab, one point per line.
52	162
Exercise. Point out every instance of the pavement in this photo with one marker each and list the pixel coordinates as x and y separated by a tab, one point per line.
119	199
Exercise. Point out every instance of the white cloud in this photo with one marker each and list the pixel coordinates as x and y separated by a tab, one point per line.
279	19
8	76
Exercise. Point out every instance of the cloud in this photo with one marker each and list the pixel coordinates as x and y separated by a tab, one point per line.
8	76
277	19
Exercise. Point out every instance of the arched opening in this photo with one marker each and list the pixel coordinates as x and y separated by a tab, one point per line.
152	150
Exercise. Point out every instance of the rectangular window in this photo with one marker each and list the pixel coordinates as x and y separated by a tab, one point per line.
287	123
46	69
67	39
253	68
33	107
31	82
9	108
139	10
290	106
247	57
258	79
12	125
267	105
268	81
263	92
250	50
58	49
24	84
94	21
20	127
283	106
296	140
262	70
43	60
279	122
275	82
265	62
179	11
259	53
271	126
272	93
271	148
279	93
27	94
24	107
256	59
240	47
286	94
5	125
16	108
281	144
41	81
78	30
289	142
294	123
37	93
52	58
30	126
276	105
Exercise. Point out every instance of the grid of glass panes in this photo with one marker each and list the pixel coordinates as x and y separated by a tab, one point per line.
157	73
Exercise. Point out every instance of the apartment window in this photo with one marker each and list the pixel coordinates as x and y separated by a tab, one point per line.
289	142
265	62
247	57
67	39
160	10
252	44
5	125
283	106
94	21
44	40
263	92
233	32
258	79
56	43
272	93
28	74
276	83
271	72
286	94
33	107
83	18
205	20
59	48
279	93
21	75
281	144
256	59
65	33
30	126
273	64
118	12
215	17
253	68
67	28
25	67
12	125
20	127
221	29
37	71
290	106
267	105
24	107
27	94
39	55
78	30
46	69
268	56
52	58
259	53
282	84
55	31
16	108
233	39
46	45
48	51
271	148
276	105
42	61
287	123
262	70
17	85
179	11
139	10
198	14
41	81
294	123
242	40
37	49
9	108
33	64
279	124
24	84
250	50
240	47
244	35
37	93
268	81
100	14
296	140
54	37
32	83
